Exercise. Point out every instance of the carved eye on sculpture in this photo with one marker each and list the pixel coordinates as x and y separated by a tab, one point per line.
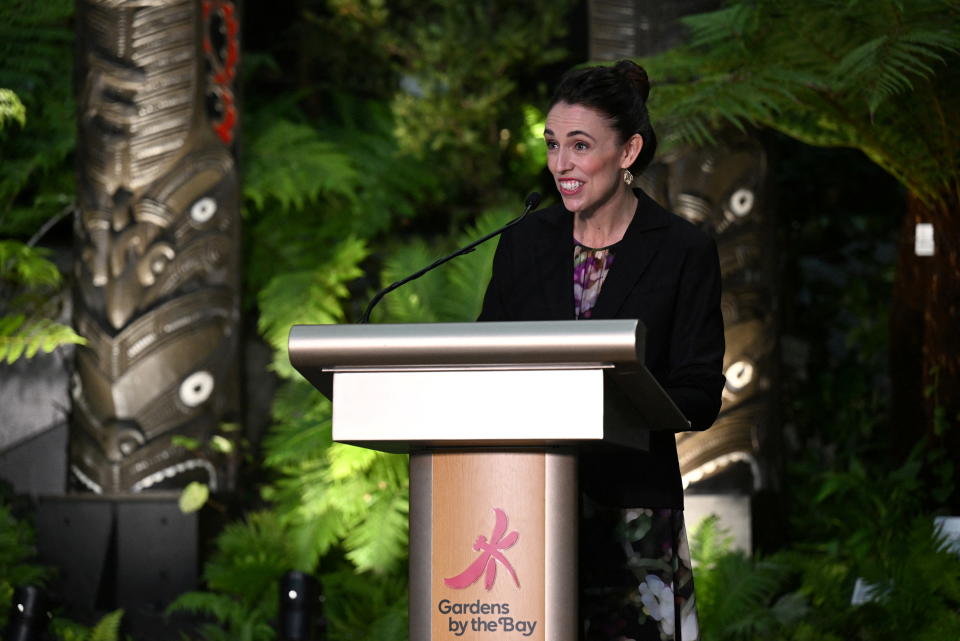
739	375
196	388
741	202
203	210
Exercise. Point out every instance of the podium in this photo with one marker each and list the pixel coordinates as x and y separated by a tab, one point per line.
492	415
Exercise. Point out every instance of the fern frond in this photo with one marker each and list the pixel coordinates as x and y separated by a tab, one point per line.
290	163
877	76
379	541
27	266
308	297
20	337
347	460
394	184
467	276
108	627
365	606
890	64
454	291
408	304
302	426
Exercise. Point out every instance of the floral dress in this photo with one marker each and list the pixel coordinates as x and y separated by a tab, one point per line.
635	574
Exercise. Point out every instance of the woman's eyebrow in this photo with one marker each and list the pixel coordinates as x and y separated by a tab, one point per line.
575	132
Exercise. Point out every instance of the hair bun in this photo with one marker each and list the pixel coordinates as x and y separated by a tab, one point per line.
636	75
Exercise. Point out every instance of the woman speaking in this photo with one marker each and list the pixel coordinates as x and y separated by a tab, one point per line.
609	251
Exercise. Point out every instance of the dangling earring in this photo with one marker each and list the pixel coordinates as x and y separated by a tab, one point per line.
627	177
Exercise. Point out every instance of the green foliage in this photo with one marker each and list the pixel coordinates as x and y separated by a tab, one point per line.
312	296
11	109
36	45
293	164
333	494
863	522
20	337
29	281
107	628
193	497
364	608
16	559
26	266
739	597
451	293
18	567
878	76
466	68
241	580
318	183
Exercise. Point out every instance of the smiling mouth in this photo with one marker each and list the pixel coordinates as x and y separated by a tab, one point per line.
570	186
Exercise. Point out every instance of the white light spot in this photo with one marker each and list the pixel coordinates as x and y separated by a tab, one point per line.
741	202
20	607
203	210
923	244
292	594
739	375
196	388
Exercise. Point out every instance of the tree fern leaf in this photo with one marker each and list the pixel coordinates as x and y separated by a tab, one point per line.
347	460
380	540
31	336
411	303
291	164
467	276
721	26
108	628
307	297
27	266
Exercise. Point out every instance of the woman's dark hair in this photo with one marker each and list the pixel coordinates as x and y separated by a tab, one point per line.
619	93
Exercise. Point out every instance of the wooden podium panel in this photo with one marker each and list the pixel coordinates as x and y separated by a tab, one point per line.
502	527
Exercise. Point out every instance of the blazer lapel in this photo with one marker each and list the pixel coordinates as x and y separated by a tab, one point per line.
554	258
640	244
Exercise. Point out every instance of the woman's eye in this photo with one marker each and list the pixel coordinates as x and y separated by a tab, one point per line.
551	144
581	146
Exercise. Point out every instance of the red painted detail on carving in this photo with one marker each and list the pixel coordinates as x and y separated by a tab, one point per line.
233	46
223	73
224	128
486	563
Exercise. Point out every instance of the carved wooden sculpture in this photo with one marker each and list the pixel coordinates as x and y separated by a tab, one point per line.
719	188
157	263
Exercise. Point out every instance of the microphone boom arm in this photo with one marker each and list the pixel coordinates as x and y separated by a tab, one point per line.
532	201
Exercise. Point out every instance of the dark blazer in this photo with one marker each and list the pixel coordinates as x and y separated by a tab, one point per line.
665	272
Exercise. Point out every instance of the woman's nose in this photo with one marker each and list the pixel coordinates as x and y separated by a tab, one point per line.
564	161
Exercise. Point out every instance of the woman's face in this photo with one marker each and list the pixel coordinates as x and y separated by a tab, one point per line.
586	157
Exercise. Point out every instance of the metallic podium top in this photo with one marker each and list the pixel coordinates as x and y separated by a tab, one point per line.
404	387
537	343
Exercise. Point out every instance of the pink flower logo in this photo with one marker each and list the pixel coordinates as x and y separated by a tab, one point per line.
489	558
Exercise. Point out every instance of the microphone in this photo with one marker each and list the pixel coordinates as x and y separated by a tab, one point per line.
533	199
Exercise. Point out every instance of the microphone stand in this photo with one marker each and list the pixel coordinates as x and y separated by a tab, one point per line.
532	201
